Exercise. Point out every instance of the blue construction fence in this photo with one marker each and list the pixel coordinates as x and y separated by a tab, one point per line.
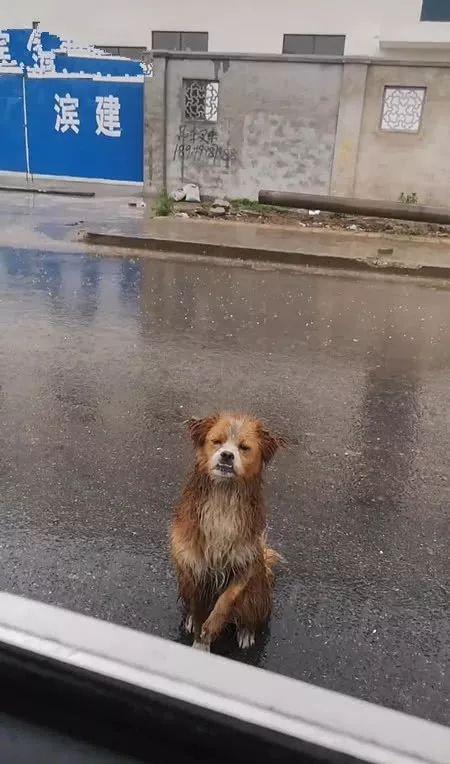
72	115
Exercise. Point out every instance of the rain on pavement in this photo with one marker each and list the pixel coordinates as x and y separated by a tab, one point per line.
102	360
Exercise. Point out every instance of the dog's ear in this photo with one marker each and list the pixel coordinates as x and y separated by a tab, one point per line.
199	428
270	444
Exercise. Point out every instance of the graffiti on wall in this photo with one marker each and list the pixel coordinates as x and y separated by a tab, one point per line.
201	145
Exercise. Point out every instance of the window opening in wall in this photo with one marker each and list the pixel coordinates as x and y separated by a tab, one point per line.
135	52
402	109
435	10
314	44
167	40
201	100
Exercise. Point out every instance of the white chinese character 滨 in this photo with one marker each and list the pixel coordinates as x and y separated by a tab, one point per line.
67	118
107	115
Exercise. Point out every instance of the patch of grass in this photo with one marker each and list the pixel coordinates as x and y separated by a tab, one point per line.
253	206
163	205
408	198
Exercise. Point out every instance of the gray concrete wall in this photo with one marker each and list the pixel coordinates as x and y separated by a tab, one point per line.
297	124
276	126
391	163
351	108
154	128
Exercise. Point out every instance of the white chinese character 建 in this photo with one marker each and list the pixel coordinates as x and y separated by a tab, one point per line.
67	118
107	115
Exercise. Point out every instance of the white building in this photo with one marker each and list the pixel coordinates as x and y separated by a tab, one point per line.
412	29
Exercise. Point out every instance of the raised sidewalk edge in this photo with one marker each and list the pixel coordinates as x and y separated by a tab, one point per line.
286	257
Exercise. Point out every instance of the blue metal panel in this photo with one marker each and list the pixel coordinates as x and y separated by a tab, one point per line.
77	142
21	39
98	65
18	41
50	41
12	132
85	154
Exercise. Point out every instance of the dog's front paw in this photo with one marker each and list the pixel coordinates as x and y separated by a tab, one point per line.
198	645
189	624
212	627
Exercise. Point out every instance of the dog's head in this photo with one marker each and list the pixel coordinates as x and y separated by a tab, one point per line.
231	446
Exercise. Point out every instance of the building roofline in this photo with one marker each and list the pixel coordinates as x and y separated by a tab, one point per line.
286	58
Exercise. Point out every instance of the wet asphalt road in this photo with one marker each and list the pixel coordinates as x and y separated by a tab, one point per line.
101	360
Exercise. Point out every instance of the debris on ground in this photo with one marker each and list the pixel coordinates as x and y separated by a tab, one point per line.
248	211
221	203
192	192
178	195
200	212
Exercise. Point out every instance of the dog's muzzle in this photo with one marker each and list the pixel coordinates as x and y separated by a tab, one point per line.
225	464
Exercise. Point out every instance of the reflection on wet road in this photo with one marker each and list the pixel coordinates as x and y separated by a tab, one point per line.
101	361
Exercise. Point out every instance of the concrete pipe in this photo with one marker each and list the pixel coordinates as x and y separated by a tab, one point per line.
353	206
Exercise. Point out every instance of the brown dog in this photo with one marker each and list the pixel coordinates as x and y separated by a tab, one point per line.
224	568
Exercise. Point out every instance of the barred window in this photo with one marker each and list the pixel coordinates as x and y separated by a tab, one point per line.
314	44
134	52
180	41
201	100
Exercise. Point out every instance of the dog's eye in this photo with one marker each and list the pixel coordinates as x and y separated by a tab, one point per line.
244	447
216	442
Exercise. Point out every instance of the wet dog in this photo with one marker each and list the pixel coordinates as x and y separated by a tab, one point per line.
218	544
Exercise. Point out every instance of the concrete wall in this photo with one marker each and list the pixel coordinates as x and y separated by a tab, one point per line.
294	124
254	26
276	126
391	163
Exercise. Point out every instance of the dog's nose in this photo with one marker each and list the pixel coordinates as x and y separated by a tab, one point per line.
227	457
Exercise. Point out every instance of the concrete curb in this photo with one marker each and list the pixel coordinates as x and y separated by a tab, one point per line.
48	191
285	257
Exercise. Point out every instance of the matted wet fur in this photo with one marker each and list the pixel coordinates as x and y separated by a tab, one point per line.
223	564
